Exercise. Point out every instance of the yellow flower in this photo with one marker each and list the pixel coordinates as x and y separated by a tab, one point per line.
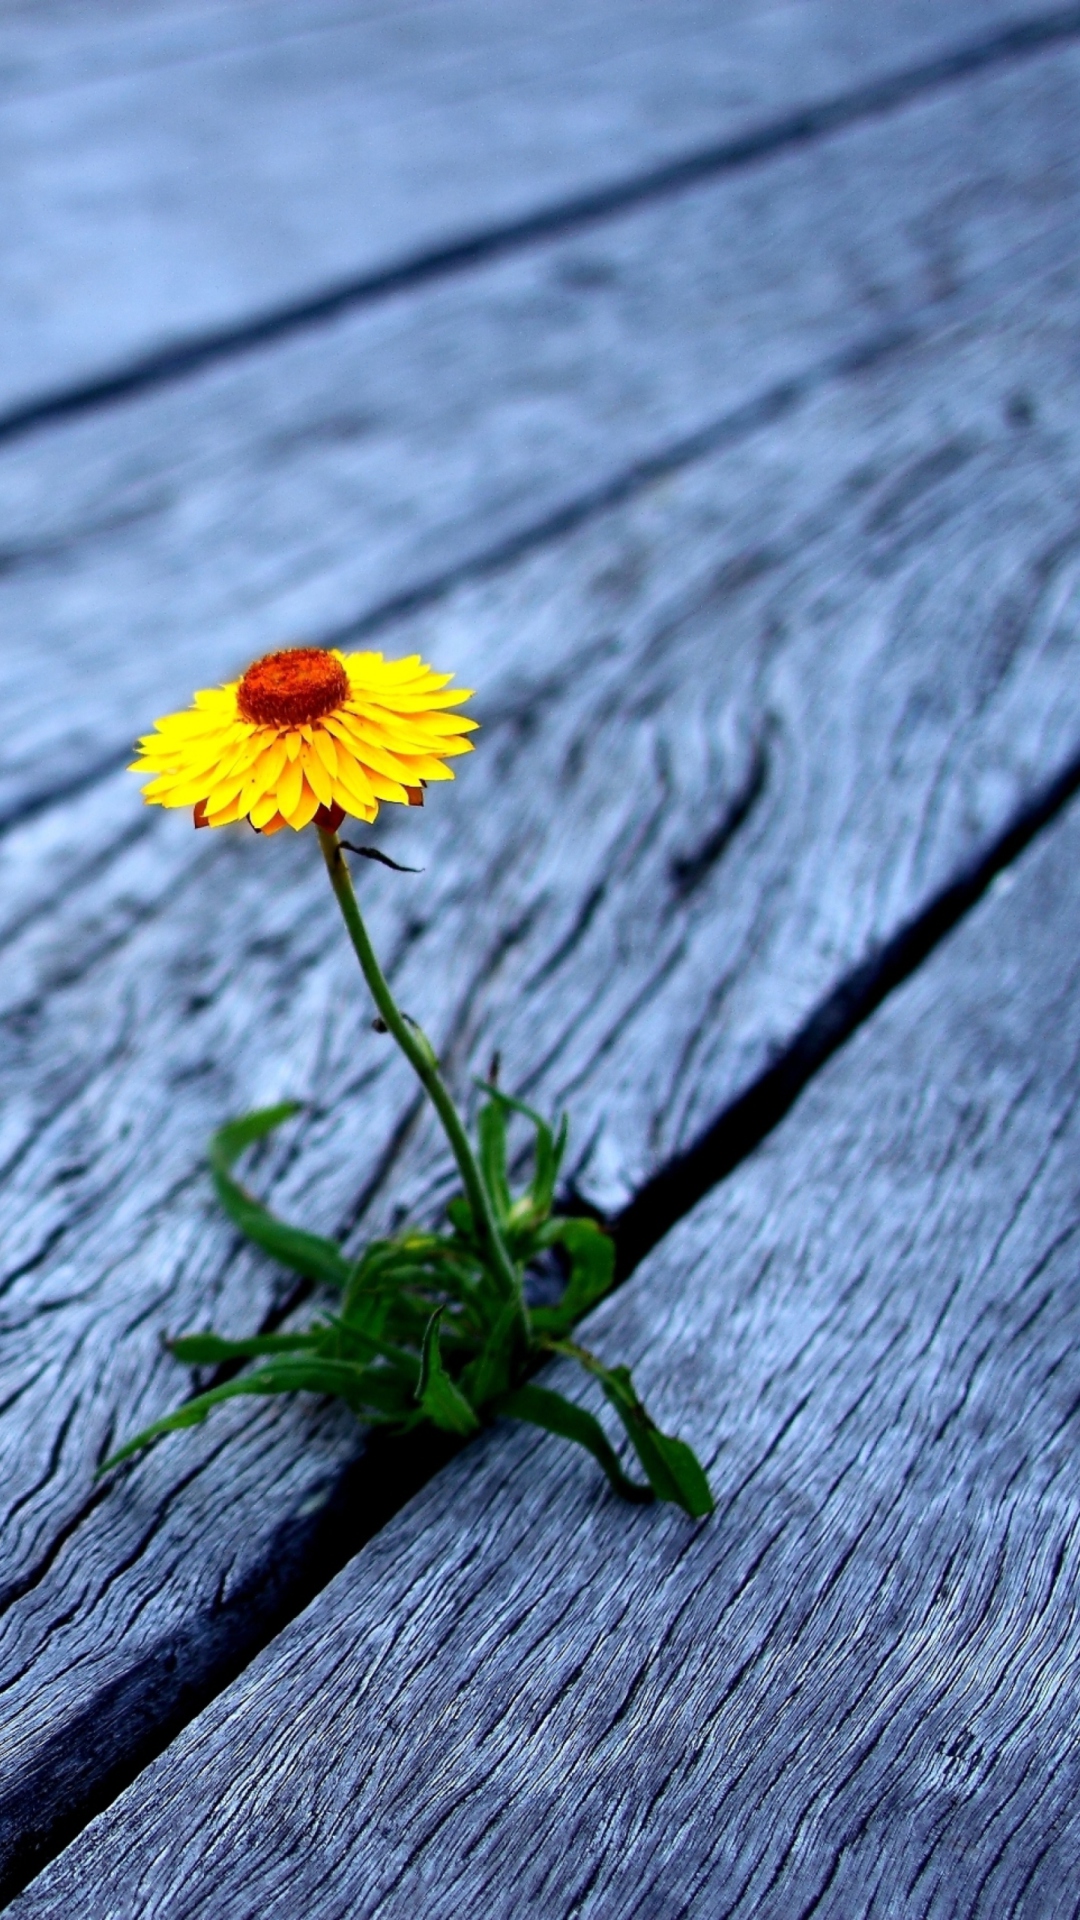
306	734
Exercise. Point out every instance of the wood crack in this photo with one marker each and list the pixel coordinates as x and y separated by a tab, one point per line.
678	1186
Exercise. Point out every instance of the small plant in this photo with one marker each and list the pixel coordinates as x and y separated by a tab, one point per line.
427	1327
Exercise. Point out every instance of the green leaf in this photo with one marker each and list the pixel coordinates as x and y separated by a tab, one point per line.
210	1350
385	1396
592	1270
229	1141
306	1253
459	1214
489	1374
419	1267
332	1377
440	1400
509	1105
549	1153
373	1280
371	1346
491	1130
674	1471
552	1411
549	1149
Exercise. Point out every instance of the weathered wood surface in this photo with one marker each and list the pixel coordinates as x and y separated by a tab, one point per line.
175	992
731	675
312	488
623	956
175	170
853	1691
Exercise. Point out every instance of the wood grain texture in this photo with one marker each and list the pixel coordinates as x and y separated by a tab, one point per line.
312	488
852	1692
175	169
735	686
678	666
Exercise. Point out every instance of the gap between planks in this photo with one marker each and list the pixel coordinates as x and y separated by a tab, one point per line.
875	98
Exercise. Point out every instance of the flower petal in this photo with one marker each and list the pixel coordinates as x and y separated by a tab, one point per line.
397	728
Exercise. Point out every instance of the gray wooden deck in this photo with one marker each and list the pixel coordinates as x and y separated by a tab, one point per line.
700	383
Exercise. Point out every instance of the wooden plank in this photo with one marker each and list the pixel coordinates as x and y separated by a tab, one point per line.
855	1689
310	487
151	985
174	170
786	598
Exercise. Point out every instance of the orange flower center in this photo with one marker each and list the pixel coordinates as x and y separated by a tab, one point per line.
288	688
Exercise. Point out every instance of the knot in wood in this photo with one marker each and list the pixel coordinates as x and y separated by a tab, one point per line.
294	686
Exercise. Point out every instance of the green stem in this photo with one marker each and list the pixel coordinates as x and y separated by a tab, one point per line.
570	1350
420	1055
